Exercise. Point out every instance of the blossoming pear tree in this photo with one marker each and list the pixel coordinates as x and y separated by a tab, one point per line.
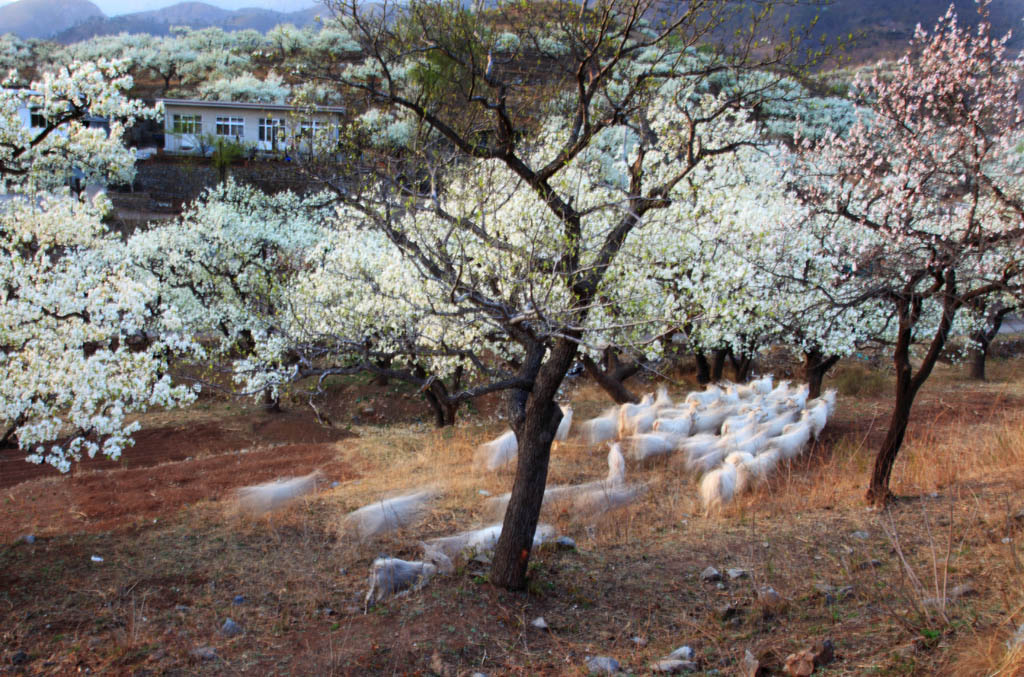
75	356
925	198
501	211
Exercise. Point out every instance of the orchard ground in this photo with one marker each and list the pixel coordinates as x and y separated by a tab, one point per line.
177	559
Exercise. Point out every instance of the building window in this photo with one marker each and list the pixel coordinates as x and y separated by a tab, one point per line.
37	120
310	128
187	124
271	130
230	126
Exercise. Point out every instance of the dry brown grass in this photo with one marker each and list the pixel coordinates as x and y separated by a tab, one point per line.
635	573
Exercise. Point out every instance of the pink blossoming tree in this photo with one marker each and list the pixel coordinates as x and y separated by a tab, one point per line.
924	199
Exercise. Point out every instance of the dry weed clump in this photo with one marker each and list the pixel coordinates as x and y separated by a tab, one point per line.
940	455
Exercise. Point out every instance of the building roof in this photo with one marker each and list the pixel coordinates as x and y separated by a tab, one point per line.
242	105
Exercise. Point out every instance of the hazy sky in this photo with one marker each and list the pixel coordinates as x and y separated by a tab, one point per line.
112	7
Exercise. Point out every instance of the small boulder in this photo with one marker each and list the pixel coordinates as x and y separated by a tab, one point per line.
539	623
639	641
602	665
565	543
230	628
861	535
29	538
750	666
671	666
683	653
204	653
737	573
710	575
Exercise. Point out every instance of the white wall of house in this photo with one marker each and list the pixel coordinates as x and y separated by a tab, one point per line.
252	127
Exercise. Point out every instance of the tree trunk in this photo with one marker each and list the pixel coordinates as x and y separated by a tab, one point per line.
381	379
982	339
610	378
703	368
443	415
718	366
271	403
436	394
816	365
908	383
534	416
878	492
741	366
977	356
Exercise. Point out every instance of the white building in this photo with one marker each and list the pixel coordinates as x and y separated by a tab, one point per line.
193	125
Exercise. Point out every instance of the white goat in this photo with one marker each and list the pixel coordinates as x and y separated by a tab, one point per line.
700	444
830	400
717	487
677	412
616	466
740	459
774	426
738	421
662	400
763	464
761	386
603	499
799	395
499	452
648	445
818	416
602	428
675	426
263	498
793	440
634	418
442	551
711	419
390	576
616	476
387	515
706	461
705	398
562	434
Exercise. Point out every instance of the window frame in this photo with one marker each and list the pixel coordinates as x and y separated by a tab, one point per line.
271	129
229	126
186	123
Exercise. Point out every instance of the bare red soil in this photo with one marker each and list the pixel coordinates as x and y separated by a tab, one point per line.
168	467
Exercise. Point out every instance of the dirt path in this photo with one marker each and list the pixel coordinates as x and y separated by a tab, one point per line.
168	467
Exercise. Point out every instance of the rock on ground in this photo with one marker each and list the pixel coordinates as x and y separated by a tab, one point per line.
671	666
602	665
710	575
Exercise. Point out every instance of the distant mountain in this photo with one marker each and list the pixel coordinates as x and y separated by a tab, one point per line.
192	14
44	18
884	26
68	21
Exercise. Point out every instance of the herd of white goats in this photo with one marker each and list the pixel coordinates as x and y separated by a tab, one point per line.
733	436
